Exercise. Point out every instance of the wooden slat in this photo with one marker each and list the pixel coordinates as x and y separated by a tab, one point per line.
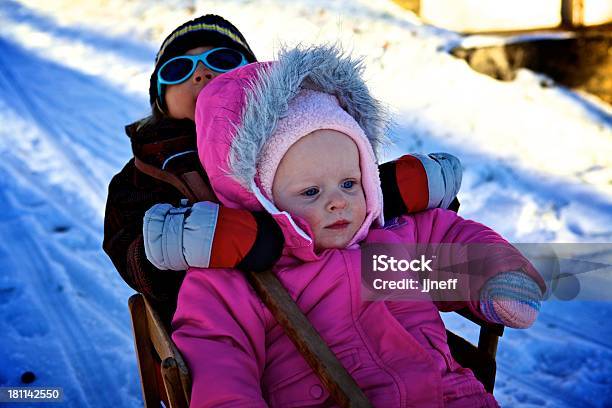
341	386
173	384
146	365
157	333
487	341
167	351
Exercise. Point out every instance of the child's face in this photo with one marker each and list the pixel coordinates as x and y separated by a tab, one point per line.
181	98
319	180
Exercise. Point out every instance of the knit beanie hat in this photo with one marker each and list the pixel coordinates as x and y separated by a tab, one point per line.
207	30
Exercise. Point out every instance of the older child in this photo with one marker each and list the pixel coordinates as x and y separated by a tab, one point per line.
207	235
213	45
298	142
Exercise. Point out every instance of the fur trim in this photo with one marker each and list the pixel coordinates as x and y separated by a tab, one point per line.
323	68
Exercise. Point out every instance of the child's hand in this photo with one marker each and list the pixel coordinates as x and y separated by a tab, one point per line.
210	236
415	182
512	299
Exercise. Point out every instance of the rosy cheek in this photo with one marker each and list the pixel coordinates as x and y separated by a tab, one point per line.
310	216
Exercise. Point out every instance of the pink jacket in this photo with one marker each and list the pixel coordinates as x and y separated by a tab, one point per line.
396	351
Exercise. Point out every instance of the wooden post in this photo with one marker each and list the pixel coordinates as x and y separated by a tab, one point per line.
572	13
144	352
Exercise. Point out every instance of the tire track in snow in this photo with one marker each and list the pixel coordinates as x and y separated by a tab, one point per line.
80	352
20	95
44	260
74	329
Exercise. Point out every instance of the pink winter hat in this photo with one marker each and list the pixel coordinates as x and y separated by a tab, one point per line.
307	112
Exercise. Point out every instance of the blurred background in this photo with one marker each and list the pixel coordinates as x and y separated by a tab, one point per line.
495	16
519	90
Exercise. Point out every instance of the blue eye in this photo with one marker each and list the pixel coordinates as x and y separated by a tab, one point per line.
348	184
311	192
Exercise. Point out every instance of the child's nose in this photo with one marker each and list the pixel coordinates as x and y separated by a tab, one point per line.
203	74
336	202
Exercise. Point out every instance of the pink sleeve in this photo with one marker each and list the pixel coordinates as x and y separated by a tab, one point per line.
219	329
489	255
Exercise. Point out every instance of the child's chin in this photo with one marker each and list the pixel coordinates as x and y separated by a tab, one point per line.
331	244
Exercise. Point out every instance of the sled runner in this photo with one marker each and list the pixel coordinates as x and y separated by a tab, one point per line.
163	372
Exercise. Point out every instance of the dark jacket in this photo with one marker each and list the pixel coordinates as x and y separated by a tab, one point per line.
130	194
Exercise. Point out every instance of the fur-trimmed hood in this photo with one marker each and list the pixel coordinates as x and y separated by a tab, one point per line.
238	112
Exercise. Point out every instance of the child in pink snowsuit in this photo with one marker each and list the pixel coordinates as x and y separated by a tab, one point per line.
298	138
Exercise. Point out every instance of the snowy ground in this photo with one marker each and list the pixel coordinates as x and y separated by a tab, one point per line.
538	168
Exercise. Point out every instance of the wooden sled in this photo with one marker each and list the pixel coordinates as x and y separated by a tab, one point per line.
165	376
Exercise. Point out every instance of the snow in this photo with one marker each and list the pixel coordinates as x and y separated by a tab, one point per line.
537	161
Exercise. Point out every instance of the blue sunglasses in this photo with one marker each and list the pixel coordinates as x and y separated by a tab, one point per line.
179	69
